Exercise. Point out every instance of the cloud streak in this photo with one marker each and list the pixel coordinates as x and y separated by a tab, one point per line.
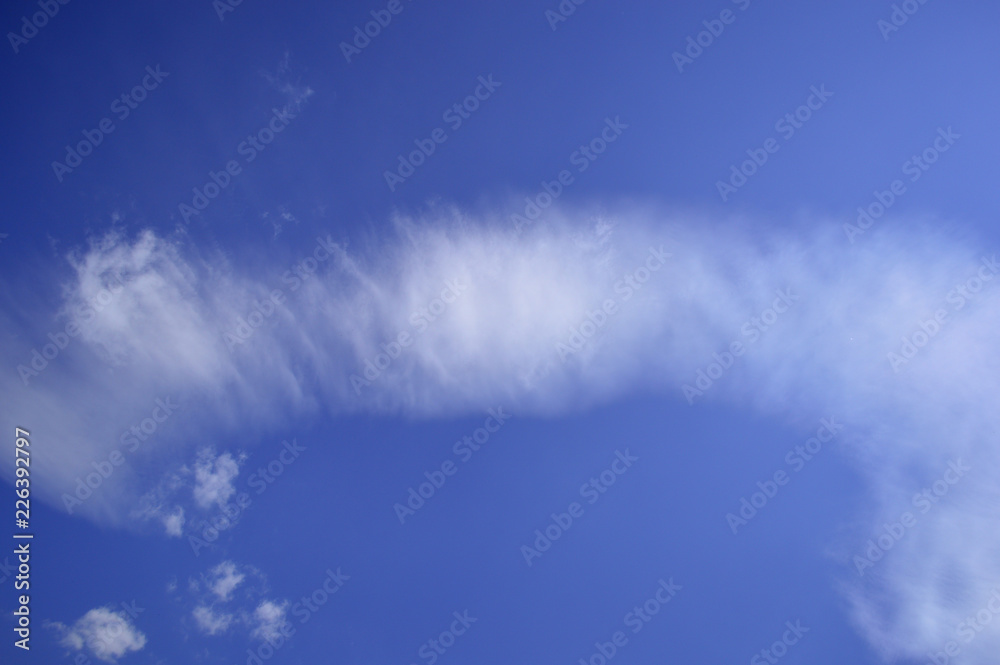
498	341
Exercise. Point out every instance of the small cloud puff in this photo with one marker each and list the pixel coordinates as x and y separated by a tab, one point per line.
211	622
223	580
270	622
214	478
106	634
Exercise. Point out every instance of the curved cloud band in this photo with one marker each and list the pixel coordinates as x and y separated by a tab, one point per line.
894	332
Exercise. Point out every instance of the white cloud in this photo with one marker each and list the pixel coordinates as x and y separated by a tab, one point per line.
217	609
496	343
223	580
156	503
269	620
211	622
174	522
106	634
214	478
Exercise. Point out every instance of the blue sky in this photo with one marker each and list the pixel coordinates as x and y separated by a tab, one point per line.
546	331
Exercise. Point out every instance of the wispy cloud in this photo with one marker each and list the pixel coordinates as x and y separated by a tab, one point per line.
498	343
296	92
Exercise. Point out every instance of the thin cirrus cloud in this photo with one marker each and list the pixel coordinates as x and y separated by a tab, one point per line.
505	306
